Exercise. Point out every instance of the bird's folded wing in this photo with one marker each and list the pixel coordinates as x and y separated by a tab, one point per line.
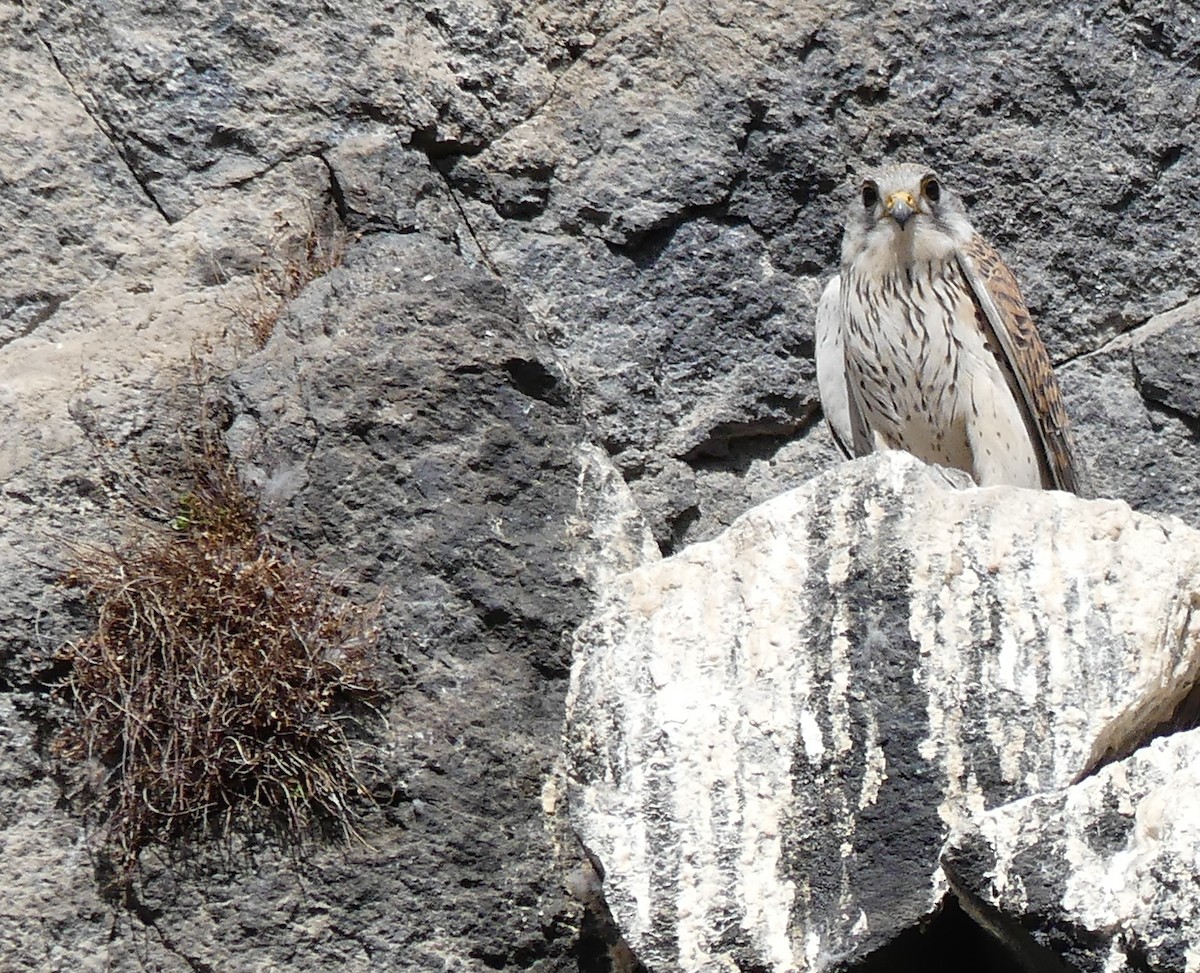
1023	359
842	413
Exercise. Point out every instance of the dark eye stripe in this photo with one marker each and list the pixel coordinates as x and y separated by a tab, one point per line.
870	194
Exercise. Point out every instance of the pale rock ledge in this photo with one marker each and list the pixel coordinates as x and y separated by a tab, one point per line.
1105	873
770	735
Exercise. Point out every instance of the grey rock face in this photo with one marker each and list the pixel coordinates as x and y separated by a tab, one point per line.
770	733
1134	403
704	192
407	435
405	431
196	97
662	186
69	209
107	374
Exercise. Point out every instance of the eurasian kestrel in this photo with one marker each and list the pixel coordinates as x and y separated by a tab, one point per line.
925	344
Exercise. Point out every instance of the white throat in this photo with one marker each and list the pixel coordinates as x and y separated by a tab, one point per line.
888	248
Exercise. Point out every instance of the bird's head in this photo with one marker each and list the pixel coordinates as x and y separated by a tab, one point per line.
901	215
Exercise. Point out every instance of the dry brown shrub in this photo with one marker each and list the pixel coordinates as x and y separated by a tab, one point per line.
224	682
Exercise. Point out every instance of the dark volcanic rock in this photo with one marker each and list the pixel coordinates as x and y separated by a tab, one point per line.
199	96
662	184
693	167
1137	415
1166	365
406	431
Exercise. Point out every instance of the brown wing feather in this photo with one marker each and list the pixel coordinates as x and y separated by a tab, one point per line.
1005	319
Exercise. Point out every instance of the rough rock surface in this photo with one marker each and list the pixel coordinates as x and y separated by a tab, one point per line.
1102	873
405	433
770	733
399	396
648	191
1139	388
680	195
662	183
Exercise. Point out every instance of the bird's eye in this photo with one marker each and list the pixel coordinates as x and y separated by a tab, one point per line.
870	194
931	188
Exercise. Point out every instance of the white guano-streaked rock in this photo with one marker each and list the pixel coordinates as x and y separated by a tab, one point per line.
769	735
1115	857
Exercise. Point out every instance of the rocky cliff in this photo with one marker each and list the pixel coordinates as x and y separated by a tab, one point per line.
572	333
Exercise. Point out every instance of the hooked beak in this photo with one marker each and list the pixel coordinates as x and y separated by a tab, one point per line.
900	206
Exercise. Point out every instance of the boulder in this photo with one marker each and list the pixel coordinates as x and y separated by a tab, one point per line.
1102	873
771	734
